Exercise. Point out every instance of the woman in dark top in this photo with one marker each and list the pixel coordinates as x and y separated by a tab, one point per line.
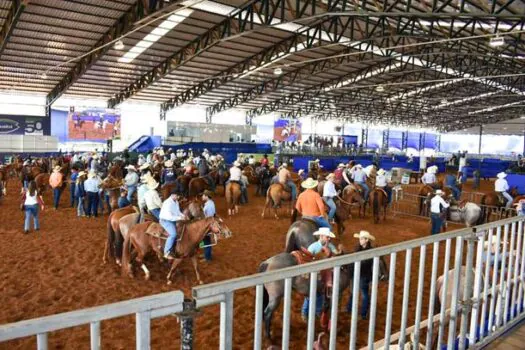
366	275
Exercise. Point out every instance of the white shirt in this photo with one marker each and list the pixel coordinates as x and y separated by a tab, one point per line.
428	178
171	211
251	161
435	204
235	174
329	189
141	161
501	185
380	180
152	199
31	200
172	156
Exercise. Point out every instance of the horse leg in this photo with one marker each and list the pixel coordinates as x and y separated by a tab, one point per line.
194	263
273	304
174	265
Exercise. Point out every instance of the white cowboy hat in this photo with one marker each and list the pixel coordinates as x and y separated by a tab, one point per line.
95	156
160	152
439	192
236	163
330	176
213	158
141	156
81	173
364	234
316	161
381	172
285	165
145	178
301	171
309	183
324	231
359	166
341	165
144	166
57	168
91	174
131	167
502	175
168	164
152	184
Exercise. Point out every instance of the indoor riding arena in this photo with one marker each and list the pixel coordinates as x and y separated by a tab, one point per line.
263	174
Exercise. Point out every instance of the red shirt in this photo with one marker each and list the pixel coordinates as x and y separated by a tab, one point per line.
264	161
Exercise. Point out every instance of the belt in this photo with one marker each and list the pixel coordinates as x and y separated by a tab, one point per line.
435	213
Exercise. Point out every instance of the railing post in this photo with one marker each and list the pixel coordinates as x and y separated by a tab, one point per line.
226	332
468	290
94	330
186	324
41	341
142	329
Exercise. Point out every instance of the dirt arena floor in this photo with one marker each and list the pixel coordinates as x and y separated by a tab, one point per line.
59	269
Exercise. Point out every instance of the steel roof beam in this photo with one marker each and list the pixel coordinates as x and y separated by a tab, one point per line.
13	15
136	13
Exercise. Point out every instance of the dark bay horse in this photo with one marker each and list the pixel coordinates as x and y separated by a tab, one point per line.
197	185
233	197
378	201
183	182
492	201
148	236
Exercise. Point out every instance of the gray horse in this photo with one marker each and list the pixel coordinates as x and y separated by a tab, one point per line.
470	214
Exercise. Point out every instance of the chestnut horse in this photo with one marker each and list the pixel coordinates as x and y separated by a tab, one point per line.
42	182
112	185
378	199
492	200
149	236
197	185
233	196
352	194
275	196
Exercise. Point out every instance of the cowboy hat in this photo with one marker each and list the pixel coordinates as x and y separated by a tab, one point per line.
324	231
501	175
168	164
236	163
57	168
131	167
316	161
301	171
160	152
95	156
439	192
144	166
152	184
91	174
81	173
208	193
341	165
330	176
381	172
141	156
359	166
364	234
284	165
309	183
145	178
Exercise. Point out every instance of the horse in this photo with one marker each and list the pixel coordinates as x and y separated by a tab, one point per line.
4	172
166	189
353	197
183	183
197	185
113	247
218	179
378	200
300	235
468	213
147	237
233	197
274	291
42	182
112	186
425	195
493	199
275	195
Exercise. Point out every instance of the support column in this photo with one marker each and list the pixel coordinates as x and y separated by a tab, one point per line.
364	137
386	138
480	136
404	141
437	147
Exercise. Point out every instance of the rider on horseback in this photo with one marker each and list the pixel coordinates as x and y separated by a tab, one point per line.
152	199
329	193
285	179
168	175
359	177
502	186
131	181
429	179
382	183
169	215
204	170
310	204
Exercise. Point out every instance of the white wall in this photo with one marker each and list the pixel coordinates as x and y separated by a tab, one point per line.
137	119
22	104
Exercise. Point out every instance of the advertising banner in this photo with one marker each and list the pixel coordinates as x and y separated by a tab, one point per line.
93	124
24	125
287	130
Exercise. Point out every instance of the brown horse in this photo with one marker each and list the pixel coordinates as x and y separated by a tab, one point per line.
42	182
425	195
491	202
184	181
112	185
166	190
352	194
233	197
197	185
148	236
275	196
113	247
378	199
4	172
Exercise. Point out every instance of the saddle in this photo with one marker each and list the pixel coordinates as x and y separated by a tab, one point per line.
382	190
501	199
286	188
303	256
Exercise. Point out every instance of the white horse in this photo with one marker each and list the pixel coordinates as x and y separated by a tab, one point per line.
470	214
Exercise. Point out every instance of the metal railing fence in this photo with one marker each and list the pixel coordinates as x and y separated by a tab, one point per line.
473	309
145	309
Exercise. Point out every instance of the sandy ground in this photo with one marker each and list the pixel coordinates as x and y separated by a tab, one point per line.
59	269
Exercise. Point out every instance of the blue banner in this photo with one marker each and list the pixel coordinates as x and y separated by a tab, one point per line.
24	125
413	140
395	139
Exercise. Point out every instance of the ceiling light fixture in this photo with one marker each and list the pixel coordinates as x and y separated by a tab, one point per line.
497	41
278	71
119	45
44	76
380	88
444	101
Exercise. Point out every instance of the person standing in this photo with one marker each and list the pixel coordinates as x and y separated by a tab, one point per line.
131	181
72	187
502	186
209	211
80	193
169	215
437	203
152	199
91	186
310	204
476	174
31	200
264	160
55	181
329	193
429	178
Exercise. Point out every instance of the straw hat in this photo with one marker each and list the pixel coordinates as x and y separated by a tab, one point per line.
316	161
364	234
324	231
57	168
144	166
309	183
91	174
81	173
341	165
330	176
359	166
439	192
300	172
284	165
160	152
168	164
152	184
236	163
131	167
502	175
381	172
95	156
208	193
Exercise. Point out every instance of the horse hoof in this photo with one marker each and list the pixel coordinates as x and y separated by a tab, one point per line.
169	283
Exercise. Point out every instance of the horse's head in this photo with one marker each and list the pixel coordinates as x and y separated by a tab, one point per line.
111	182
514	191
218	226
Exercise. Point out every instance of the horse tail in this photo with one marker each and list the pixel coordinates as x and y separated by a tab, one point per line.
290	241
111	239
375	204
266	297
294	215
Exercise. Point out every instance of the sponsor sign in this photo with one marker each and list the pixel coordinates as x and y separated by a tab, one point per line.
24	125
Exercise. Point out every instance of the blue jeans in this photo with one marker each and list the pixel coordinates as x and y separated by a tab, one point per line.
291	184
318	305
123	202
207	250
319	220
171	228
211	182
155	212
366	189
31	210
437	222
56	197
331	204
364	285
455	191
72	198
131	190
81	210
476	183
92	204
509	199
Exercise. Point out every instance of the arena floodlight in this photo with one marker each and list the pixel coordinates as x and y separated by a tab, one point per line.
119	45
497	41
